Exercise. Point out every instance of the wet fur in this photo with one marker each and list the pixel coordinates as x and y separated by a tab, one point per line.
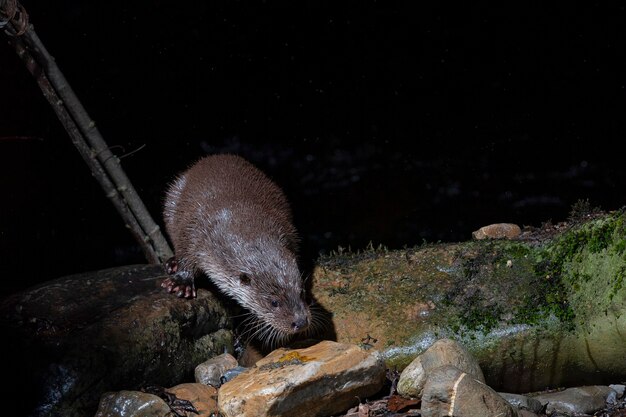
230	221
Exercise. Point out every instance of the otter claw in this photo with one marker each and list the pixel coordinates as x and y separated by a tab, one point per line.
171	265
179	286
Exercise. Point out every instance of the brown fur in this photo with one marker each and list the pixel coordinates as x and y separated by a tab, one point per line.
230	221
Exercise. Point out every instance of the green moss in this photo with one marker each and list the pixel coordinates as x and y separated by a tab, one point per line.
577	264
489	272
618	283
570	273
482	318
514	250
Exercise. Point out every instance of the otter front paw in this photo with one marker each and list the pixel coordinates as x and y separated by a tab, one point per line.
181	283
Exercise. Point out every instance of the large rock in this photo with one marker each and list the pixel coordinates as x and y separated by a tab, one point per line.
77	337
452	392
131	404
442	352
141	404
321	380
545	309
522	402
578	400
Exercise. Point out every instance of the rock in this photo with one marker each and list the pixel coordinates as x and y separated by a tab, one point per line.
141	404
210	372
324	379
497	231
578	400
553	318
526	413
131	404
442	352
82	335
203	397
522	402
451	392
619	389
231	373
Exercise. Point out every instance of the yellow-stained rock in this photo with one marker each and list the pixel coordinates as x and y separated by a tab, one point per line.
324	379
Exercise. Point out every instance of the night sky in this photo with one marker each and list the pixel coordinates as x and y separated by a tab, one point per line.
386	122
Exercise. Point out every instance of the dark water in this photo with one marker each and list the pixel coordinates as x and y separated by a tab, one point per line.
389	124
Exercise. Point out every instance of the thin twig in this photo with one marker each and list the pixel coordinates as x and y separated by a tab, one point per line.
84	149
81	128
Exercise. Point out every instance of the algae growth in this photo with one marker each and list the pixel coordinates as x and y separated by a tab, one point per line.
553	299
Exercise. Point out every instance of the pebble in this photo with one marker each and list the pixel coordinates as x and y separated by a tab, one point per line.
497	231
211	371
619	389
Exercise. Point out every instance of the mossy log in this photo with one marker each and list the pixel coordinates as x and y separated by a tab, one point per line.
545	310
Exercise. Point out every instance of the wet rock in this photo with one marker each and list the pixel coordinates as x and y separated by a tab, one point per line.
86	334
131	404
210	372
526	413
141	404
578	400
324	379
619	389
497	231
231	373
442	352
522	402
451	392
203	398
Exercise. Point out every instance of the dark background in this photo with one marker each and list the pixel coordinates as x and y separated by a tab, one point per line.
391	123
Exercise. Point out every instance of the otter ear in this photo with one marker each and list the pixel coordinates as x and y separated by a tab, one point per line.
244	278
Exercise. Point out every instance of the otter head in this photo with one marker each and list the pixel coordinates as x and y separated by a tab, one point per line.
277	300
264	278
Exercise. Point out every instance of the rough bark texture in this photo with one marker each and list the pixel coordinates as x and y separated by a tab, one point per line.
76	337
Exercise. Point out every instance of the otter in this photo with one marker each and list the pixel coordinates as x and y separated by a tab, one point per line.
228	220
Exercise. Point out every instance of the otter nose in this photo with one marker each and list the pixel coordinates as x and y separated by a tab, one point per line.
300	323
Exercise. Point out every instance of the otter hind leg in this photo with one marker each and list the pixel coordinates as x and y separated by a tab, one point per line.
181	280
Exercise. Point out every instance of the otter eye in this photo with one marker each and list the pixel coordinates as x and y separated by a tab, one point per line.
244	278
275	303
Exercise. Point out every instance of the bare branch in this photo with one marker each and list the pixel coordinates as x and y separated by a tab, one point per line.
82	130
